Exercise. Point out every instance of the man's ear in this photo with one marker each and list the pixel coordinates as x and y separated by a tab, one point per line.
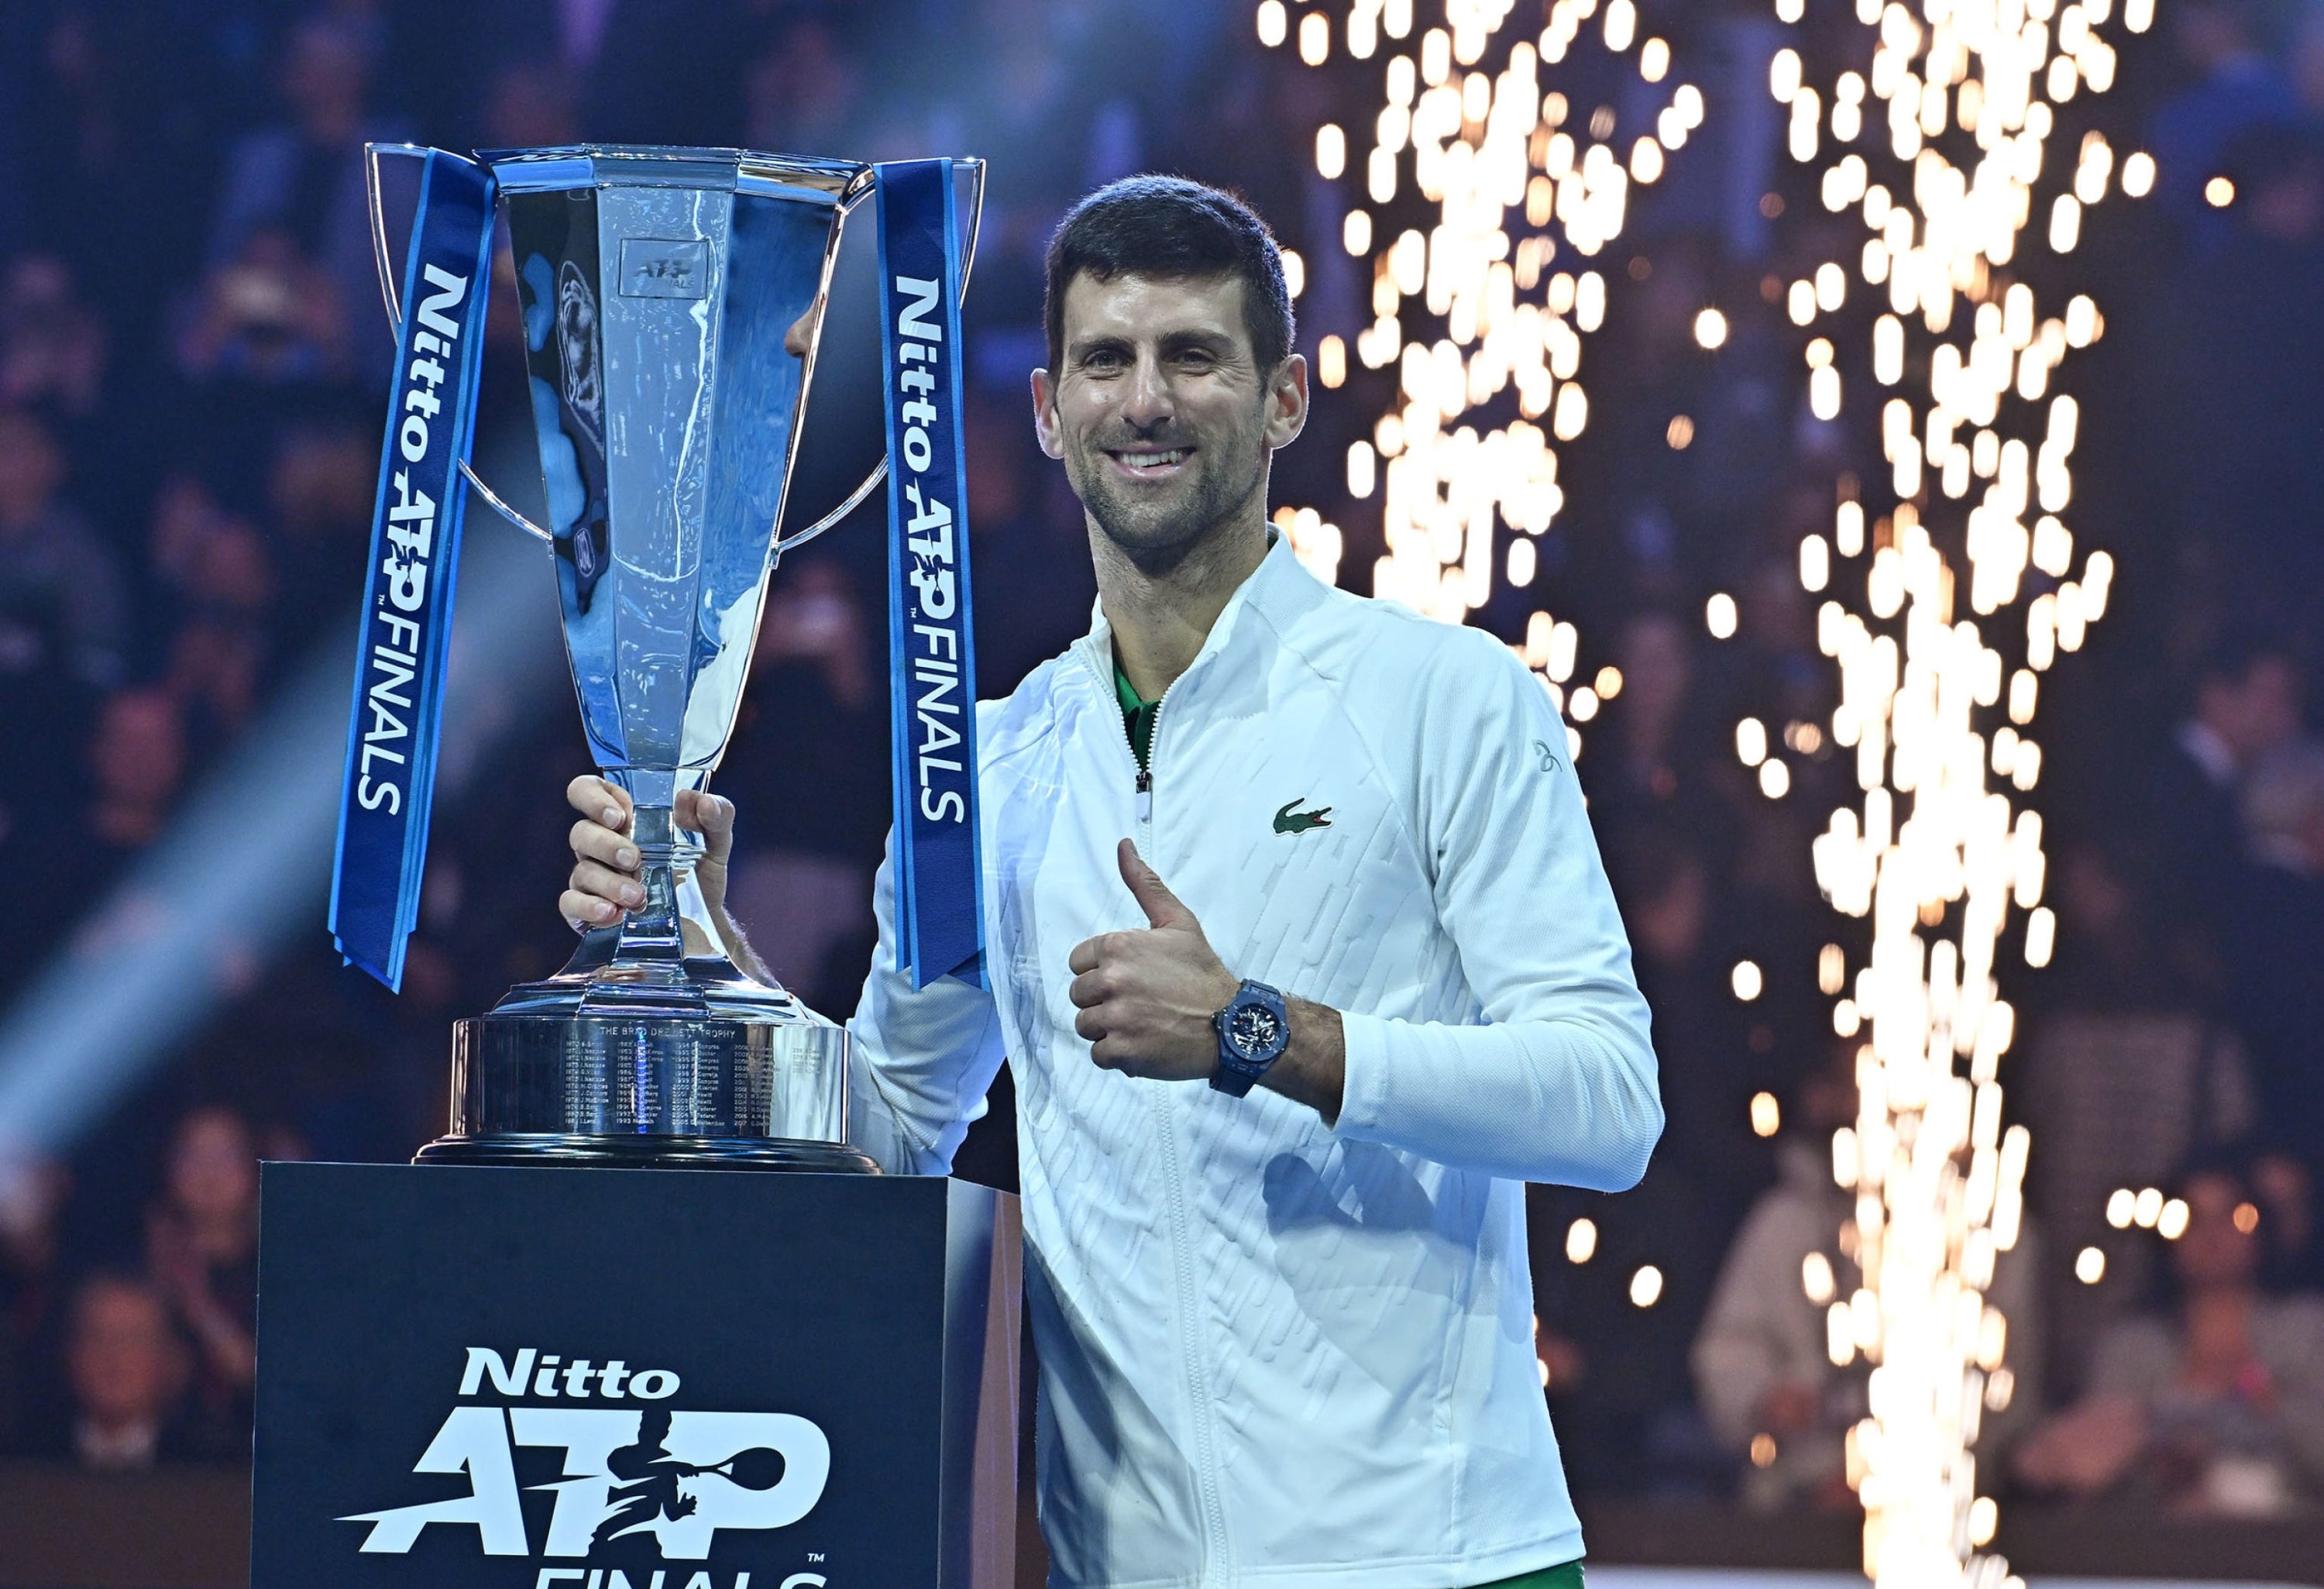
1286	402
1045	415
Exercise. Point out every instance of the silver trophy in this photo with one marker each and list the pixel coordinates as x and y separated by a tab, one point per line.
672	302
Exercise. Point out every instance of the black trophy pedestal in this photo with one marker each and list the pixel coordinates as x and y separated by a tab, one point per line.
565	1378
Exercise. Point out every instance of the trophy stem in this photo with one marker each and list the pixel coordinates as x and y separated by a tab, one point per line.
648	971
650	932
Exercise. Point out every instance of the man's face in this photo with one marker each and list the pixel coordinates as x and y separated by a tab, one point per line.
2272	703
1655	665
1669	926
2213	1251
1159	410
123	1361
2257	714
140	748
213	1169
30	468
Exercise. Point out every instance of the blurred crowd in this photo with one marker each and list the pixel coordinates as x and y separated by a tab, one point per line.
191	358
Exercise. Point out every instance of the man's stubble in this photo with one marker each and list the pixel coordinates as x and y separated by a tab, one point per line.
1157	539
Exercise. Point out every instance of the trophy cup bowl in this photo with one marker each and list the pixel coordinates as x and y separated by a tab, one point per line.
671	303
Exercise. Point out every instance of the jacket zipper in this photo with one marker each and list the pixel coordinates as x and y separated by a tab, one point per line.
1214	1529
1142	785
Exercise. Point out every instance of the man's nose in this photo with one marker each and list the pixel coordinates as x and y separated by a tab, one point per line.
1148	403
798	338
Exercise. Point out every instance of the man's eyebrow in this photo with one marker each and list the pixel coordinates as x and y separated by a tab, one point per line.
1206	340
1179	341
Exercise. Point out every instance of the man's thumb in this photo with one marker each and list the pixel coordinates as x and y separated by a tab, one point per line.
710	816
1161	906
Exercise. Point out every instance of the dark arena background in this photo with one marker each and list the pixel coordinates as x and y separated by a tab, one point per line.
1893	435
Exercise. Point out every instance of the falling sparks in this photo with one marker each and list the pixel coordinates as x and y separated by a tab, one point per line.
1720	615
1481	315
1950	151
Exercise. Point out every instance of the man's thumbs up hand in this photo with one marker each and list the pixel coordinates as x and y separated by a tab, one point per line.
1147	995
1161	906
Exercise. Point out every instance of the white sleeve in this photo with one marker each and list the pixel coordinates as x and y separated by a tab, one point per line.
920	1060
1559	1086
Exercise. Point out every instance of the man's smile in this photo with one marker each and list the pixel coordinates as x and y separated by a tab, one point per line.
1149	463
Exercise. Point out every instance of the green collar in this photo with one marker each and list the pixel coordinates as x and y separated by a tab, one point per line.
1136	715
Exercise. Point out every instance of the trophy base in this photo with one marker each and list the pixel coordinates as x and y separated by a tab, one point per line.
686	1065
648	1153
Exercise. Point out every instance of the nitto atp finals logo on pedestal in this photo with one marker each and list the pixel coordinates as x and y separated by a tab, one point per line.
561	1378
668	1476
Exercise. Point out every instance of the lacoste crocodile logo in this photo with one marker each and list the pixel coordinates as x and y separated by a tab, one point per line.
1288	820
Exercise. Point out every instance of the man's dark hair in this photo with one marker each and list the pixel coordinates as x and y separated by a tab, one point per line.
1170	227
2232	657
2267	152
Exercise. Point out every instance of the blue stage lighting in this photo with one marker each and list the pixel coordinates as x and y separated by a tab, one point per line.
247	864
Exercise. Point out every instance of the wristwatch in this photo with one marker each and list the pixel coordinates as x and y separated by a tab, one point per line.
1254	1030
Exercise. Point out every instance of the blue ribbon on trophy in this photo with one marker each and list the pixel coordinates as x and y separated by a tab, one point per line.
931	644
415	558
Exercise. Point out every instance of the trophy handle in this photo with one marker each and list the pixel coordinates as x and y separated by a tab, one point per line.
373	154
975	168
493	500
376	204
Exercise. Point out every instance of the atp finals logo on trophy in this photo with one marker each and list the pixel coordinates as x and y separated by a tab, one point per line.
672	304
666	1479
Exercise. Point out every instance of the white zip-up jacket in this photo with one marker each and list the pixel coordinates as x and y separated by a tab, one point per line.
1277	1352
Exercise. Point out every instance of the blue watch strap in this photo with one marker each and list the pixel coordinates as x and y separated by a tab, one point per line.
1233	1083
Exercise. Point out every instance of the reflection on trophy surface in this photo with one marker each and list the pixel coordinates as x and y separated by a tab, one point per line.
671	303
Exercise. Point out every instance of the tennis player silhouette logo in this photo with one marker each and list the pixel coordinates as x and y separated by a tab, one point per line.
645	1492
688	1474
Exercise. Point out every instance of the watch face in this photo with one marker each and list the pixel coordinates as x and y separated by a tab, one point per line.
1254	1030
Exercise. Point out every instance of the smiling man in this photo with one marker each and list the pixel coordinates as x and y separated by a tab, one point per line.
1275	1114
